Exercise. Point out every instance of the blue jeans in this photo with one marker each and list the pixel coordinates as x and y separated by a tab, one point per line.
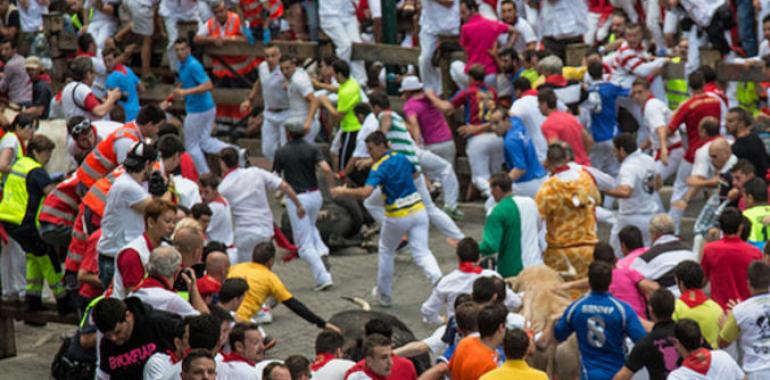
747	28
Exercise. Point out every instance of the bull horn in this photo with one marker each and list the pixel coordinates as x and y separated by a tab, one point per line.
360	302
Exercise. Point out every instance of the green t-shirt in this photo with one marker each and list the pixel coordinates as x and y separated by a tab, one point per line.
502	234
348	97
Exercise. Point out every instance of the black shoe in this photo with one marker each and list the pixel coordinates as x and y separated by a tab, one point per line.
65	306
34	303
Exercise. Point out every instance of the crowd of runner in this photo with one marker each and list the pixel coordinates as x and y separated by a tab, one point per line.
161	236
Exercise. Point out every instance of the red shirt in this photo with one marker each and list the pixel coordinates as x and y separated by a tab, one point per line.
187	167
477	37
130	266
726	264
90	264
402	369
565	127
691	113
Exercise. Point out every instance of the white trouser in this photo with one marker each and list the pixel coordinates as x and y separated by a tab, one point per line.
445	150
528	188
306	235
431	76
675	157
436	168
273	133
486	11
13	269
343	33
458	75
172	33
653	22
628	7
680	184
244	244
198	140
597	29
313	132
415	226
602	155
641	221
485	155
376	207
101	30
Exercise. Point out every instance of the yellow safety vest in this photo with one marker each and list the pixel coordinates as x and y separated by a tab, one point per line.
759	231
746	94
13	207
676	89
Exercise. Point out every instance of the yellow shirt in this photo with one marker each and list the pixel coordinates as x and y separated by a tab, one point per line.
515	369
707	315
262	284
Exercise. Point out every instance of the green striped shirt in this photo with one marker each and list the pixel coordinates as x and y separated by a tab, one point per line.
400	140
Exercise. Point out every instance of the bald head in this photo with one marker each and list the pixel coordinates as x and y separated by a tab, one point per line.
217	265
719	152
189	242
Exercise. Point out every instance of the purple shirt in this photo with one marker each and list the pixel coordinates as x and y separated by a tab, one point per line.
433	126
477	37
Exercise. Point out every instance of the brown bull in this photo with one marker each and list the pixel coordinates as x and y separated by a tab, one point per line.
541	301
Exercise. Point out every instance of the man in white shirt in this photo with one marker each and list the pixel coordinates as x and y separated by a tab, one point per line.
220	227
246	190
157	290
460	281
302	101
562	22
199	333
750	320
524	38
339	22
275	98
123	219
329	363
77	97
636	189
526	108
247	349
656	116
701	363
437	18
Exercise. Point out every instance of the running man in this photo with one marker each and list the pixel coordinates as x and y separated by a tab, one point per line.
404	213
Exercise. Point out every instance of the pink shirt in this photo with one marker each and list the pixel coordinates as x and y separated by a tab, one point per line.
565	127
433	125
625	280
477	37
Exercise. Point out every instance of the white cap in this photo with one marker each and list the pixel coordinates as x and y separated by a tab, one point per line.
410	83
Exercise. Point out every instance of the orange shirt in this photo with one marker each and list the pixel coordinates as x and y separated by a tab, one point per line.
472	359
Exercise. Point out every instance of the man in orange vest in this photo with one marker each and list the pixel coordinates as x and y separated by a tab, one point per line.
112	151
228	71
254	12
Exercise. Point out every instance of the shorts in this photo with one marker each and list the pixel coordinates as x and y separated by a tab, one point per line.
141	18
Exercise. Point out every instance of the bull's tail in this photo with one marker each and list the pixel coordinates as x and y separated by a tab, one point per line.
360	302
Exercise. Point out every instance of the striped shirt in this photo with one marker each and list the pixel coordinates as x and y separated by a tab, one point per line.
630	63
399	138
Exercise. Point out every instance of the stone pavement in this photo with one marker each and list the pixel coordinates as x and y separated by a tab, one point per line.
353	276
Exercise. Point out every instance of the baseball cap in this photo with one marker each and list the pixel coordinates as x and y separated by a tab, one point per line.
139	154
410	83
33	62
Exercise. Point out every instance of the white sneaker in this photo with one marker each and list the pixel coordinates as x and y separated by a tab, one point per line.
324	286
381	300
264	316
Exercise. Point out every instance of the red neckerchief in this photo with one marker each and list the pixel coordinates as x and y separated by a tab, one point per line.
321	361
469	267
220	199
698	361
152	282
559	169
44	77
361	365
530	92
176	359
120	68
80	53
235	357
693	297
228	172
556	80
